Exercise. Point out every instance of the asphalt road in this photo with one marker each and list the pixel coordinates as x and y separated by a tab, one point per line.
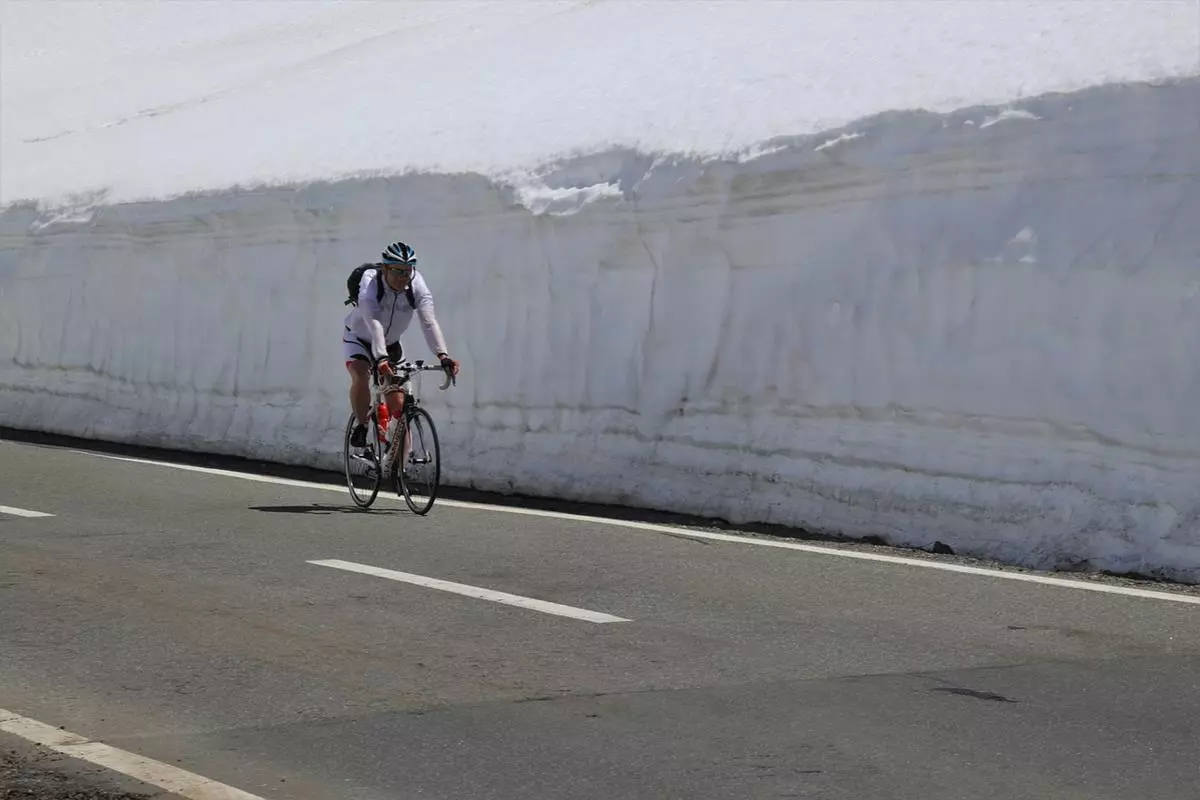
176	614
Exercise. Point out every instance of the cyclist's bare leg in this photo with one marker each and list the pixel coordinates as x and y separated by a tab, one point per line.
395	402
360	389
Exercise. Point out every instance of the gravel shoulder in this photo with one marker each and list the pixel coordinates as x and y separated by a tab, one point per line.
32	772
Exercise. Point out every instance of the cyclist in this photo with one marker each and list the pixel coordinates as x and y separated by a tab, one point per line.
373	328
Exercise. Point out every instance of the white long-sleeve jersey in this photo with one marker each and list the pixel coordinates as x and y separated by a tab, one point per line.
383	321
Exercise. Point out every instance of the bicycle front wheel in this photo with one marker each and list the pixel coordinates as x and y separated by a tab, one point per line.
363	475
421	473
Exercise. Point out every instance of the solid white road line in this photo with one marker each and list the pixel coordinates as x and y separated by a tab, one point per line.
147	770
1007	575
22	512
472	591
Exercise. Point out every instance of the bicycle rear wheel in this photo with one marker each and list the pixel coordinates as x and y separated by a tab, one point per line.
363	475
421	473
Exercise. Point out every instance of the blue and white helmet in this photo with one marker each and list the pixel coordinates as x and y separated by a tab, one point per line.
399	253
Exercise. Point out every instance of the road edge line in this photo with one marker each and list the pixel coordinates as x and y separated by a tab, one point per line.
1067	583
147	770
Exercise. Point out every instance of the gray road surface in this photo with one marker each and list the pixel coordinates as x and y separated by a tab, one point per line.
174	614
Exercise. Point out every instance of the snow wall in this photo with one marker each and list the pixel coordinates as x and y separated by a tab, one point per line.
981	328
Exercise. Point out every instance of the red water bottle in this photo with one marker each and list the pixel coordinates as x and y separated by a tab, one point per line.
383	421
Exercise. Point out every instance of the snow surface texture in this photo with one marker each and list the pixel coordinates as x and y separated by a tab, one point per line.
148	100
936	329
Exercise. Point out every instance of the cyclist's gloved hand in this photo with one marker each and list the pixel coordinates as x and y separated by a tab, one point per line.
385	367
450	366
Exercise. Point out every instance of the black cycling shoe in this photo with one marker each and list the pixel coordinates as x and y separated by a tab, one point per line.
358	437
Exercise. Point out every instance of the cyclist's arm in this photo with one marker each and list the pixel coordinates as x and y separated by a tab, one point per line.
428	317
372	314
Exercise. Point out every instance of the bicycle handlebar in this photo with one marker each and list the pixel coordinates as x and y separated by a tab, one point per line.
409	367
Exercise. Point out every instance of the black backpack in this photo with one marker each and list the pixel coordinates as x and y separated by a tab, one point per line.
355	279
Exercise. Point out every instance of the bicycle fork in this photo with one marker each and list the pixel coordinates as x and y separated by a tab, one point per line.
408	456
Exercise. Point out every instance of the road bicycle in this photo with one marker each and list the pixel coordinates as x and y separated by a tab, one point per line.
405	450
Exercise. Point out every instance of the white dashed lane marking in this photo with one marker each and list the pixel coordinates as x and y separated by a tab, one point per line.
472	591
22	512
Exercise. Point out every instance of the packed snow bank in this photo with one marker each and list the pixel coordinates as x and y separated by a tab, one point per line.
981	328
152	100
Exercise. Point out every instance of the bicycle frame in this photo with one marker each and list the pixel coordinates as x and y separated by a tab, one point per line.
383	454
403	369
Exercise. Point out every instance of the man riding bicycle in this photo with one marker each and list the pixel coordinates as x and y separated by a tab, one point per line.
388	294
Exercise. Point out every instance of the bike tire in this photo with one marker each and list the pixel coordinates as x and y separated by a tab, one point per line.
420	427
363	488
